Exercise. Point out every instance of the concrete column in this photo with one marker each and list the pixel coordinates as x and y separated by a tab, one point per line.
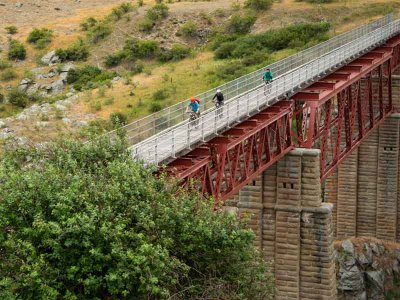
304	265
250	206
287	245
331	196
347	197
387	183
269	215
367	185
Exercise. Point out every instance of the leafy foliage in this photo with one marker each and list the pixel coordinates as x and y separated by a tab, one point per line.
88	24
20	98
189	29
84	221
88	76
11	29
40	37
177	52
99	32
259	4
240	24
76	52
16	50
293	36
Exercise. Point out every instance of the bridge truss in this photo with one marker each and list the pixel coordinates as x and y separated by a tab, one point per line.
334	114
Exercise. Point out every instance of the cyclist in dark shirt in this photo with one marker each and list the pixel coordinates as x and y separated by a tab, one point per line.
220	98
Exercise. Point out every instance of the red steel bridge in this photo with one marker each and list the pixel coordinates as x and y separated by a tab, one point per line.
333	114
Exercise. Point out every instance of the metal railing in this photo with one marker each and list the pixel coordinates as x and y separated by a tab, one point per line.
167	144
148	126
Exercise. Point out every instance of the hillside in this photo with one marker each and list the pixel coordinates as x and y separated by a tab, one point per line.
147	60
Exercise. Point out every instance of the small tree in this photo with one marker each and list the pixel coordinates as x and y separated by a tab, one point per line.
84	221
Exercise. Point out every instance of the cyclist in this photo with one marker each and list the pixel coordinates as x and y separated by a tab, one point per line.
267	77
219	97
194	106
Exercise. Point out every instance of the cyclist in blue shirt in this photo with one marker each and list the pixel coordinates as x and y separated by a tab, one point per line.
194	106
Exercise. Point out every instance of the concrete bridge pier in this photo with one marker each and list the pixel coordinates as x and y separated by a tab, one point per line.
293	227
365	188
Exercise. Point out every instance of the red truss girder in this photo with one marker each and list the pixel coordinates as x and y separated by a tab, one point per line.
338	112
334	114
222	166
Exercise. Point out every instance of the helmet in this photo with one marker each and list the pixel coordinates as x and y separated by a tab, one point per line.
218	91
192	99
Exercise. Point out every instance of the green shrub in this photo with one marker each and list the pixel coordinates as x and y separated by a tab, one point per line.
16	50
118	12
140	3
118	119
259	4
177	52
84	221
155	107
189	29
88	76
8	74
77	52
99	32
157	12
240	24
88	24
18	98
146	25
4	64
11	29
294	36
160	94
40	37
132	50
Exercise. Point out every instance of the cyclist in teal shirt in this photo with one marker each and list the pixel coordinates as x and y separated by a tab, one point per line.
267	76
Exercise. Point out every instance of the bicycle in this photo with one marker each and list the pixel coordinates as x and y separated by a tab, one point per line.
267	87
193	116
219	107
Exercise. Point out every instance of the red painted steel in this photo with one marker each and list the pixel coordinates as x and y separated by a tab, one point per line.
226	163
334	114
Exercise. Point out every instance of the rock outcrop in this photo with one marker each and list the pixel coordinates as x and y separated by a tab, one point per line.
366	268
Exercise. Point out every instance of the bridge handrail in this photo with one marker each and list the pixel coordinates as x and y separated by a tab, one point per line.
165	145
144	128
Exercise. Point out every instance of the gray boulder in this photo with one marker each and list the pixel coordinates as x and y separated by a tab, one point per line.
376	281
3	124
348	247
351	280
50	58
56	87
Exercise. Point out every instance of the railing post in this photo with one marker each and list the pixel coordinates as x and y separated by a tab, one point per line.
156	152
188	135
202	131
173	143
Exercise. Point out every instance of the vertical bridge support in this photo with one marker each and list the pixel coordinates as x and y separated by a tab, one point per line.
365	188
292	226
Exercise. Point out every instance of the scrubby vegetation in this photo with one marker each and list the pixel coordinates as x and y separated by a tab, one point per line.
259	4
20	98
11	29
40	37
294	36
76	52
88	77
84	221
153	16
16	50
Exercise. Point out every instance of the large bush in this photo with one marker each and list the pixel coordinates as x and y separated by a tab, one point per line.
40	37
293	36
76	52
16	50
240	24
84	221
259	4
88	77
